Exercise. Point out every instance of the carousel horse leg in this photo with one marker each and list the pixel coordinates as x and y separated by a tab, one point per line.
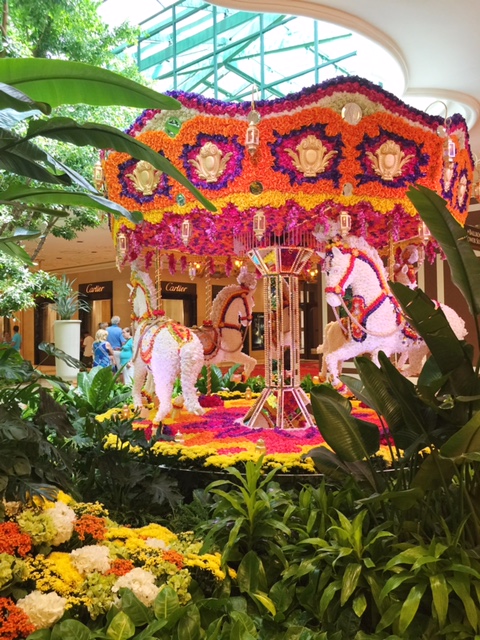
191	356
140	373
248	364
164	371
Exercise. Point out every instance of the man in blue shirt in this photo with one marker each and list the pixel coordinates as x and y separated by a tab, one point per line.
115	338
16	339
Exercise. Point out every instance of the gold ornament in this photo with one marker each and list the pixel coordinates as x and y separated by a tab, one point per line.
389	160
311	158
447	175
462	191
210	162
145	177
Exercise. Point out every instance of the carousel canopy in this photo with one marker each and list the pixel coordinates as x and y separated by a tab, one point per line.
277	170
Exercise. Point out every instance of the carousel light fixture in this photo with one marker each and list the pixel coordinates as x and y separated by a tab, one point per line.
476	178
259	224
252	137
186	231
122	246
345	223
192	271
424	232
98	177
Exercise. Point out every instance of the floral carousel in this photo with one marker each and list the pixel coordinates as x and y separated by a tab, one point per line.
318	176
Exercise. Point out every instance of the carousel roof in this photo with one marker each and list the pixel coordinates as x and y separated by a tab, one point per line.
277	170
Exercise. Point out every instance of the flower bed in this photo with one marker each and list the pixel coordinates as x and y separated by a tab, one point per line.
218	440
69	560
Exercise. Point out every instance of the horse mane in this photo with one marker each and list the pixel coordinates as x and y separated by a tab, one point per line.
142	278
354	242
220	300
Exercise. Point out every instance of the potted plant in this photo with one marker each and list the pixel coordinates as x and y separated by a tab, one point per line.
67	302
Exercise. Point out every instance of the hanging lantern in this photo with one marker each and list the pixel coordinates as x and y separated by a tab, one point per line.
98	177
252	137
345	223
259	224
122	245
450	148
424	232
186	231
192	271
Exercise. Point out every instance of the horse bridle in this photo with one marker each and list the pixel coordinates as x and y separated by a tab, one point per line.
339	291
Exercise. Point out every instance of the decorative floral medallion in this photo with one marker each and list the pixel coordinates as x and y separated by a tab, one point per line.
311	157
211	162
214	161
389	160
145	178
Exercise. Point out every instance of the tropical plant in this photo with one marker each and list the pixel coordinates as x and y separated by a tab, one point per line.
31	87
434	424
67	301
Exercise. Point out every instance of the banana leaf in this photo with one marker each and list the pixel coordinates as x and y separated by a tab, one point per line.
11	98
352	439
452	358
49	196
58	82
10	248
450	235
106	137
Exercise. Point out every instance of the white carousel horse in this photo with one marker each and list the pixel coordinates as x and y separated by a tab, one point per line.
376	319
164	348
222	336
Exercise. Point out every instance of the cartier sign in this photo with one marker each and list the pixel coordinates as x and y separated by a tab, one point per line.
178	289
97	290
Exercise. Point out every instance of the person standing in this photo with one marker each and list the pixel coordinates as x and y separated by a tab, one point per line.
87	349
16	342
102	350
115	338
126	355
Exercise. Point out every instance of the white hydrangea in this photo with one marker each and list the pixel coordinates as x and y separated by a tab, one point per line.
141	582
156	543
91	558
63	518
43	609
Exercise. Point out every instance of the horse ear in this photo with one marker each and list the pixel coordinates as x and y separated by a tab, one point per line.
336	252
130	287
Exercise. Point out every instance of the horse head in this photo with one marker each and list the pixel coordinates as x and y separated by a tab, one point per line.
338	271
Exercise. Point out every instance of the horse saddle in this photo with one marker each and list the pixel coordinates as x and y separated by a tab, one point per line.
208	335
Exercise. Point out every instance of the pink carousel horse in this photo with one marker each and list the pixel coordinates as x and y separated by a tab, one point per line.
164	348
222	336
376	319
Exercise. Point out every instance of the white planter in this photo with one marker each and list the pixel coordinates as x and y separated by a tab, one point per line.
67	338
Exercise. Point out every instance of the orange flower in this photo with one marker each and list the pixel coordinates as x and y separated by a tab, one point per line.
91	526
120	567
14	623
13	541
173	557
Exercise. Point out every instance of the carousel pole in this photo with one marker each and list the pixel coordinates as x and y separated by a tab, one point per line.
283	403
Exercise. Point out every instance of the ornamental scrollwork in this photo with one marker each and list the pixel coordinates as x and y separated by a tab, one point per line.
312	157
145	177
389	160
210	163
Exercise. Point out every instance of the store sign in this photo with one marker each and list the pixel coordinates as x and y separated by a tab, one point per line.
473	235
178	289
97	290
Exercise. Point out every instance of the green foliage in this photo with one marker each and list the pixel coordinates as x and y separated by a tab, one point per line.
248	515
66	300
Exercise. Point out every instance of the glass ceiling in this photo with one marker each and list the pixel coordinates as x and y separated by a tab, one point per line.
191	45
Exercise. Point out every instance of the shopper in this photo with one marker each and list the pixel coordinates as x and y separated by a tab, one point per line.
102	350
115	338
126	355
16	339
87	344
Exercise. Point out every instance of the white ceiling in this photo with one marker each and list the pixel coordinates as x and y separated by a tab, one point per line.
435	43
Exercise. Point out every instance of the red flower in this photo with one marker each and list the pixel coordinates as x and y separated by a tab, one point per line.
13	541
14	623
